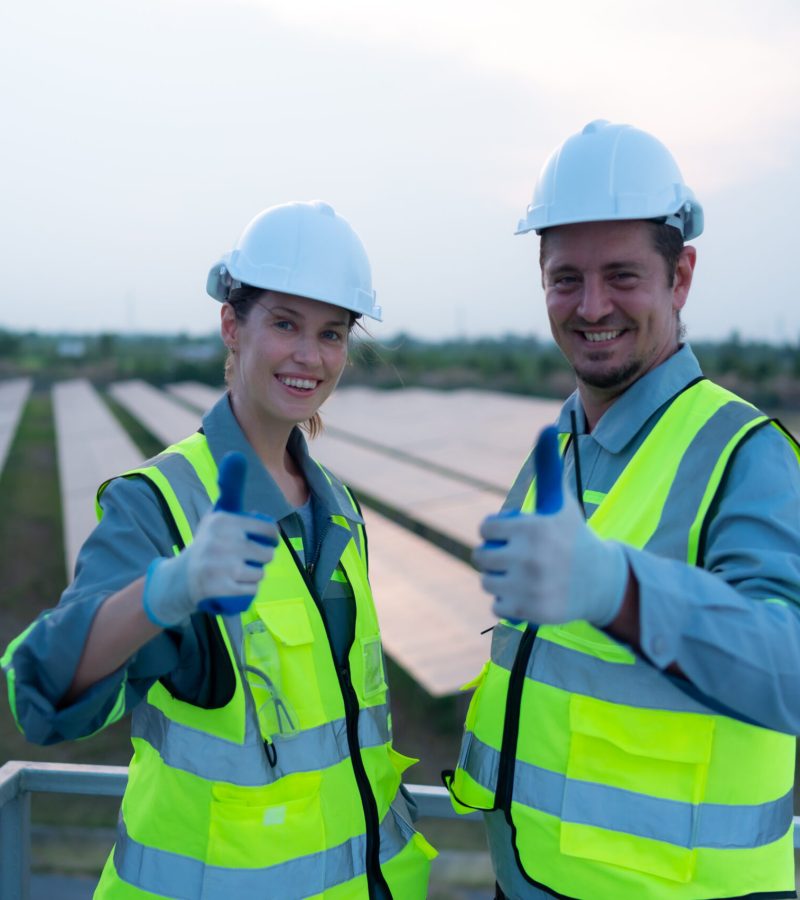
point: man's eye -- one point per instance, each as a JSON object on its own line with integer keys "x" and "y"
{"x": 565, "y": 281}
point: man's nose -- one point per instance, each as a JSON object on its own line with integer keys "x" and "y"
{"x": 595, "y": 301}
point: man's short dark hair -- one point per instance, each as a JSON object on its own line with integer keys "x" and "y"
{"x": 668, "y": 242}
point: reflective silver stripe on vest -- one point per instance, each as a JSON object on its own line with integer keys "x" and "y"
{"x": 173, "y": 875}
{"x": 637, "y": 684}
{"x": 216, "y": 759}
{"x": 692, "y": 477}
{"x": 712, "y": 825}
{"x": 188, "y": 488}
{"x": 689, "y": 484}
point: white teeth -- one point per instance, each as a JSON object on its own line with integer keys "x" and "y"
{"x": 305, "y": 383}
{"x": 601, "y": 335}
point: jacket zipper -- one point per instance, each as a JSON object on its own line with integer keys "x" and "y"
{"x": 317, "y": 551}
{"x": 351, "y": 712}
{"x": 508, "y": 746}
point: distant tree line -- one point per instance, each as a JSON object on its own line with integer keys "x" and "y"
{"x": 107, "y": 357}
{"x": 766, "y": 374}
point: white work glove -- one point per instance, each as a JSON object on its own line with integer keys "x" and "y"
{"x": 550, "y": 567}
{"x": 219, "y": 572}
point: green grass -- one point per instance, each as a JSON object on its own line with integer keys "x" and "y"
{"x": 31, "y": 540}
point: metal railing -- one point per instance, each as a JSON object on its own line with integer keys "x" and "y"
{"x": 18, "y": 780}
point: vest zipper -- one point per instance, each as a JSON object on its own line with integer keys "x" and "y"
{"x": 508, "y": 747}
{"x": 351, "y": 712}
{"x": 370, "y": 807}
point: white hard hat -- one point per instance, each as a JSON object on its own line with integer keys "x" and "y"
{"x": 608, "y": 172}
{"x": 299, "y": 248}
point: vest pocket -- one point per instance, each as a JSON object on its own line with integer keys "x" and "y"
{"x": 279, "y": 665}
{"x": 372, "y": 662}
{"x": 474, "y": 782}
{"x": 258, "y": 827}
{"x": 385, "y": 767}
{"x": 634, "y": 780}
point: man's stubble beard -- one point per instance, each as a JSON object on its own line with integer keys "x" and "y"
{"x": 620, "y": 377}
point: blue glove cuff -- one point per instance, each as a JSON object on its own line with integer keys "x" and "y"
{"x": 615, "y": 582}
{"x": 146, "y": 593}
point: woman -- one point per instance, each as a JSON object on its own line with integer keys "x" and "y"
{"x": 263, "y": 763}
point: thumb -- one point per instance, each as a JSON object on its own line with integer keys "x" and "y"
{"x": 547, "y": 466}
{"x": 232, "y": 471}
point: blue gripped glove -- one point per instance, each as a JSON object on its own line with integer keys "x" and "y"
{"x": 550, "y": 567}
{"x": 220, "y": 570}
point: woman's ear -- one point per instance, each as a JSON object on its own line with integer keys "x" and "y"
{"x": 229, "y": 327}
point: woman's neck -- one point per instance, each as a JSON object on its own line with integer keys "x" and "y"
{"x": 271, "y": 446}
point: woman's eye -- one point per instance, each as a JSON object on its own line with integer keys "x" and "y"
{"x": 283, "y": 324}
{"x": 332, "y": 335}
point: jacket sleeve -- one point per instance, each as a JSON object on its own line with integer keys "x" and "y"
{"x": 733, "y": 626}
{"x": 40, "y": 663}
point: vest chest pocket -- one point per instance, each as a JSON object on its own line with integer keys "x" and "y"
{"x": 634, "y": 781}
{"x": 258, "y": 827}
{"x": 280, "y": 667}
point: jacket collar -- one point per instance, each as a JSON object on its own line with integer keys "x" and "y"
{"x": 261, "y": 493}
{"x": 623, "y": 420}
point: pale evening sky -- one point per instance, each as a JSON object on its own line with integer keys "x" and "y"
{"x": 138, "y": 139}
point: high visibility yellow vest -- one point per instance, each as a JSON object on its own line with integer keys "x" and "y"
{"x": 290, "y": 789}
{"x": 618, "y": 781}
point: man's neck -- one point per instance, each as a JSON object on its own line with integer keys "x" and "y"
{"x": 596, "y": 401}
{"x": 595, "y": 405}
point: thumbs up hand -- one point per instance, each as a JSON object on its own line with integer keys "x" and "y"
{"x": 220, "y": 570}
{"x": 550, "y": 567}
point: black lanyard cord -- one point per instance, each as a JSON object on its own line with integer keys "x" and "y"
{"x": 577, "y": 456}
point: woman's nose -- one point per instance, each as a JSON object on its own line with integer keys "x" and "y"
{"x": 307, "y": 350}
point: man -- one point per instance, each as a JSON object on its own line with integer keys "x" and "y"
{"x": 633, "y": 734}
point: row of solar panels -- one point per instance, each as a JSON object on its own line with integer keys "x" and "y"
{"x": 13, "y": 396}
{"x": 435, "y": 462}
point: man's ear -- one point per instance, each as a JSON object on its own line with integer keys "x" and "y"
{"x": 684, "y": 272}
